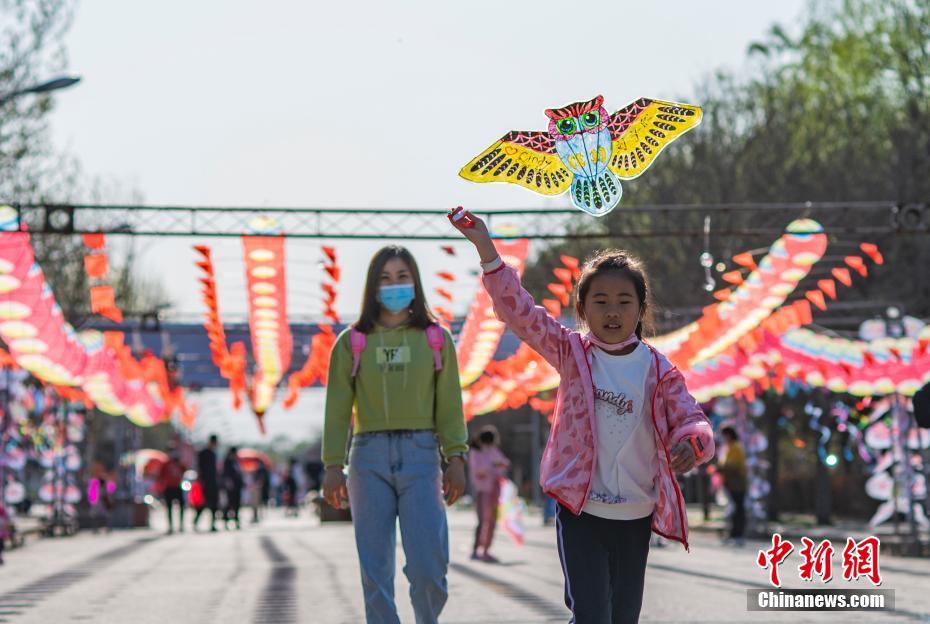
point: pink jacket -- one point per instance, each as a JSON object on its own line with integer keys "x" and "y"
{"x": 568, "y": 459}
{"x": 486, "y": 466}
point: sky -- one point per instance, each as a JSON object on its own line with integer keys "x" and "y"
{"x": 361, "y": 104}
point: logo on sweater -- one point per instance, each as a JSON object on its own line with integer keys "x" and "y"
{"x": 623, "y": 404}
{"x": 610, "y": 499}
{"x": 393, "y": 355}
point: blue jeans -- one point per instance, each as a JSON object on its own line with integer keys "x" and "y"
{"x": 396, "y": 474}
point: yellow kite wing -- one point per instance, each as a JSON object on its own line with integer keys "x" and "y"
{"x": 642, "y": 129}
{"x": 525, "y": 158}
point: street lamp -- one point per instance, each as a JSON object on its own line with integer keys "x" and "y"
{"x": 61, "y": 82}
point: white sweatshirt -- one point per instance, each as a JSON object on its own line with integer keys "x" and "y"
{"x": 623, "y": 486}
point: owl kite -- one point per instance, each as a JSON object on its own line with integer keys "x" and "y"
{"x": 585, "y": 150}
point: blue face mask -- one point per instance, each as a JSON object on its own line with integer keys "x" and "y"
{"x": 396, "y": 297}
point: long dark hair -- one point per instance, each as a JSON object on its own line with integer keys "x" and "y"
{"x": 626, "y": 264}
{"x": 421, "y": 316}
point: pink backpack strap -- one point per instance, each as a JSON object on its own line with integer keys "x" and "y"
{"x": 436, "y": 339}
{"x": 357, "y": 341}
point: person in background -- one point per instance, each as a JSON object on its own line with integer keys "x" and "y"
{"x": 259, "y": 497}
{"x": 548, "y": 511}
{"x": 168, "y": 484}
{"x": 233, "y": 484}
{"x": 486, "y": 465}
{"x": 290, "y": 489}
{"x": 6, "y": 526}
{"x": 922, "y": 406}
{"x": 733, "y": 470}
{"x": 267, "y": 486}
{"x": 206, "y": 475}
{"x": 253, "y": 490}
{"x": 99, "y": 496}
{"x": 277, "y": 486}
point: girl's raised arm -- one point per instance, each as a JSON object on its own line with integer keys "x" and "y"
{"x": 513, "y": 305}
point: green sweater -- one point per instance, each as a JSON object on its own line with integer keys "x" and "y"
{"x": 397, "y": 387}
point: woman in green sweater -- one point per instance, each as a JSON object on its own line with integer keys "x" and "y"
{"x": 397, "y": 368}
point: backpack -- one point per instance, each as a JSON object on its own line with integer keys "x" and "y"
{"x": 434, "y": 336}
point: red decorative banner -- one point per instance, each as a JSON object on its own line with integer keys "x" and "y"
{"x": 42, "y": 342}
{"x": 766, "y": 288}
{"x": 232, "y": 361}
{"x": 316, "y": 368}
{"x": 512, "y": 382}
{"x": 321, "y": 345}
{"x": 482, "y": 331}
{"x": 876, "y": 367}
{"x": 97, "y": 266}
{"x": 268, "y": 324}
{"x": 334, "y": 272}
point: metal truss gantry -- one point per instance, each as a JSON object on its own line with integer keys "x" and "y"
{"x": 866, "y": 218}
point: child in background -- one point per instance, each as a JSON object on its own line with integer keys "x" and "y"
{"x": 624, "y": 422}
{"x": 290, "y": 490}
{"x": 486, "y": 466}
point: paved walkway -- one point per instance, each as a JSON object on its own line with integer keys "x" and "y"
{"x": 295, "y": 570}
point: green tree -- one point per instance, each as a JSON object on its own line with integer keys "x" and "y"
{"x": 838, "y": 112}
{"x": 31, "y": 51}
{"x": 32, "y": 172}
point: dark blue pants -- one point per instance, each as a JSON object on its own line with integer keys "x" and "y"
{"x": 604, "y": 563}
{"x": 738, "y": 521}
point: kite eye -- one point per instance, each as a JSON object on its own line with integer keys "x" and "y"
{"x": 591, "y": 119}
{"x": 566, "y": 126}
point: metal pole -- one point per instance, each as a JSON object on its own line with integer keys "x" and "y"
{"x": 58, "y": 511}
{"x": 118, "y": 494}
{"x": 4, "y": 425}
{"x": 908, "y": 469}
{"x": 897, "y": 453}
{"x": 367, "y": 223}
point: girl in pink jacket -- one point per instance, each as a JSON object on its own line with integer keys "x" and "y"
{"x": 624, "y": 422}
{"x": 487, "y": 465}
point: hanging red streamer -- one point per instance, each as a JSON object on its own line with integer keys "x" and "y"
{"x": 745, "y": 260}
{"x": 843, "y": 276}
{"x": 316, "y": 366}
{"x": 96, "y": 266}
{"x": 871, "y": 250}
{"x": 232, "y": 362}
{"x": 95, "y": 240}
{"x": 858, "y": 264}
